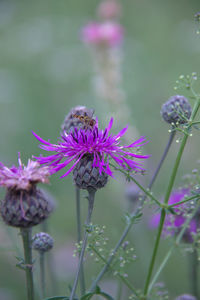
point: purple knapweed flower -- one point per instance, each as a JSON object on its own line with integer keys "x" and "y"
{"x": 174, "y": 222}
{"x": 23, "y": 177}
{"x": 107, "y": 33}
{"x": 94, "y": 142}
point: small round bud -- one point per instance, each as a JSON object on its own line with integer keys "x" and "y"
{"x": 73, "y": 121}
{"x": 86, "y": 176}
{"x": 186, "y": 297}
{"x": 22, "y": 208}
{"x": 176, "y": 110}
{"x": 42, "y": 242}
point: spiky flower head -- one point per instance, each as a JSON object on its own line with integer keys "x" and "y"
{"x": 174, "y": 222}
{"x": 24, "y": 204}
{"x": 42, "y": 242}
{"x": 23, "y": 177}
{"x": 186, "y": 297}
{"x": 107, "y": 34}
{"x": 72, "y": 121}
{"x": 177, "y": 110}
{"x": 93, "y": 142}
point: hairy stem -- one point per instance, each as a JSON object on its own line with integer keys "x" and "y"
{"x": 91, "y": 195}
{"x": 26, "y": 238}
{"x": 79, "y": 237}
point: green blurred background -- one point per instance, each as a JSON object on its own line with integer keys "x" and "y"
{"x": 45, "y": 70}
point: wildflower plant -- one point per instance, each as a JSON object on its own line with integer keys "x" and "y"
{"x": 93, "y": 155}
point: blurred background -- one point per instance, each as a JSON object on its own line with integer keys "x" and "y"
{"x": 45, "y": 70}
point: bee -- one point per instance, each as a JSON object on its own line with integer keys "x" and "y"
{"x": 86, "y": 120}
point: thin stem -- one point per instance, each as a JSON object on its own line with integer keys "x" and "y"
{"x": 162, "y": 219}
{"x": 119, "y": 290}
{"x": 79, "y": 238}
{"x": 42, "y": 273}
{"x": 135, "y": 213}
{"x": 166, "y": 199}
{"x": 91, "y": 195}
{"x": 171, "y": 138}
{"x": 169, "y": 253}
{"x": 186, "y": 200}
{"x": 26, "y": 238}
{"x": 193, "y": 276}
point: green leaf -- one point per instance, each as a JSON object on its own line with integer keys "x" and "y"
{"x": 97, "y": 292}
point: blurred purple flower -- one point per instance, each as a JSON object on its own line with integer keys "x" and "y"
{"x": 173, "y": 223}
{"x": 23, "y": 177}
{"x": 107, "y": 33}
{"x": 93, "y": 142}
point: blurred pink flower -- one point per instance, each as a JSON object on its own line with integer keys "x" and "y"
{"x": 173, "y": 223}
{"x": 107, "y": 33}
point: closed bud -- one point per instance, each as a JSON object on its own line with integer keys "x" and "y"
{"x": 73, "y": 121}
{"x": 86, "y": 176}
{"x": 42, "y": 242}
{"x": 22, "y": 208}
{"x": 176, "y": 110}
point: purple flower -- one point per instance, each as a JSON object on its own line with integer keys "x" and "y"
{"x": 173, "y": 223}
{"x": 94, "y": 142}
{"x": 107, "y": 33}
{"x": 23, "y": 177}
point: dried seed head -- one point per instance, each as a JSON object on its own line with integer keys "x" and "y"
{"x": 21, "y": 208}
{"x": 42, "y": 242}
{"x": 176, "y": 110}
{"x": 71, "y": 122}
{"x": 186, "y": 297}
{"x": 86, "y": 176}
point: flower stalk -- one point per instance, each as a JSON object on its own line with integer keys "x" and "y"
{"x": 166, "y": 199}
{"x": 26, "y": 238}
{"x": 78, "y": 218}
{"x": 91, "y": 196}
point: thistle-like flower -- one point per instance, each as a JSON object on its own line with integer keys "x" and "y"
{"x": 42, "y": 242}
{"x": 95, "y": 143}
{"x": 24, "y": 205}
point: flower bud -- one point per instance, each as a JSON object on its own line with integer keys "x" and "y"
{"x": 22, "y": 208}
{"x": 42, "y": 242}
{"x": 72, "y": 121}
{"x": 86, "y": 176}
{"x": 176, "y": 110}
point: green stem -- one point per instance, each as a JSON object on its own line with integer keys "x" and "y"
{"x": 26, "y": 238}
{"x": 79, "y": 238}
{"x": 166, "y": 199}
{"x": 186, "y": 200}
{"x": 169, "y": 253}
{"x": 162, "y": 219}
{"x": 91, "y": 195}
{"x": 42, "y": 273}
